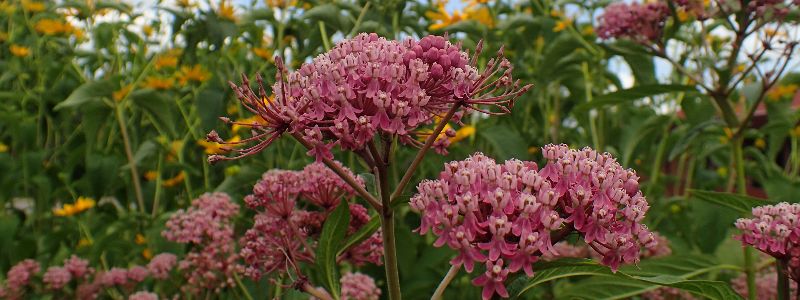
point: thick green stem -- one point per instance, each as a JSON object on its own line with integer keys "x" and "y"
{"x": 387, "y": 225}
{"x": 783, "y": 280}
{"x": 437, "y": 295}
{"x": 741, "y": 184}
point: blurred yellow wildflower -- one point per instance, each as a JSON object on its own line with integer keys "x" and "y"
{"x": 683, "y": 15}
{"x": 555, "y": 13}
{"x": 7, "y": 8}
{"x": 84, "y": 243}
{"x": 226, "y": 11}
{"x": 280, "y": 3}
{"x": 587, "y": 30}
{"x": 139, "y": 239}
{"x": 195, "y": 73}
{"x": 82, "y": 204}
{"x": 32, "y": 6}
{"x": 533, "y": 150}
{"x": 462, "y": 133}
{"x": 780, "y": 91}
{"x": 147, "y": 30}
{"x": 562, "y": 24}
{"x": 263, "y": 53}
{"x": 3, "y": 148}
{"x": 175, "y": 147}
{"x": 760, "y": 143}
{"x": 158, "y": 83}
{"x": 168, "y": 60}
{"x": 120, "y": 94}
{"x": 185, "y": 3}
{"x": 722, "y": 172}
{"x": 150, "y": 175}
{"x": 217, "y": 148}
{"x": 739, "y": 68}
{"x": 147, "y": 253}
{"x": 19, "y": 51}
{"x": 171, "y": 182}
{"x": 251, "y": 120}
{"x": 54, "y": 27}
{"x": 442, "y": 17}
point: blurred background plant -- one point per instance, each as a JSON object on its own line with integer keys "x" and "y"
{"x": 106, "y": 106}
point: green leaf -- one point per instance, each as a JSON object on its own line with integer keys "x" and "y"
{"x": 362, "y": 234}
{"x": 740, "y": 203}
{"x": 333, "y": 232}
{"x": 506, "y": 142}
{"x": 634, "y": 93}
{"x": 157, "y": 107}
{"x": 673, "y": 271}
{"x": 87, "y": 92}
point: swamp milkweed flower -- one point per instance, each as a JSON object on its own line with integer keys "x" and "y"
{"x": 774, "y": 230}
{"x": 368, "y": 85}
{"x": 80, "y": 205}
{"x": 18, "y": 278}
{"x": 284, "y": 230}
{"x": 640, "y": 22}
{"x": 508, "y": 215}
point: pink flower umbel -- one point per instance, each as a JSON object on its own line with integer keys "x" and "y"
{"x": 775, "y": 230}
{"x": 508, "y": 215}
{"x": 143, "y": 296}
{"x": 640, "y": 22}
{"x": 208, "y": 226}
{"x": 293, "y": 207}
{"x": 357, "y": 286}
{"x": 56, "y": 277}
{"x": 369, "y": 85}
{"x": 19, "y": 277}
{"x": 78, "y": 267}
{"x": 161, "y": 264}
{"x": 766, "y": 284}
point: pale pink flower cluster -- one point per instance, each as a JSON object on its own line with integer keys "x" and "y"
{"x": 56, "y": 277}
{"x": 207, "y": 225}
{"x": 293, "y": 207}
{"x": 774, "y": 230}
{"x": 18, "y": 278}
{"x": 161, "y": 264}
{"x": 368, "y": 85}
{"x": 766, "y": 285}
{"x": 357, "y": 286}
{"x": 564, "y": 249}
{"x": 143, "y": 295}
{"x": 508, "y": 215}
{"x": 640, "y": 22}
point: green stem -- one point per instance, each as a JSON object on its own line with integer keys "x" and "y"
{"x": 783, "y": 280}
{"x": 387, "y": 225}
{"x": 137, "y": 186}
{"x": 324, "y": 34}
{"x": 242, "y": 287}
{"x": 587, "y": 81}
{"x": 741, "y": 183}
{"x": 437, "y": 295}
{"x": 656, "y": 169}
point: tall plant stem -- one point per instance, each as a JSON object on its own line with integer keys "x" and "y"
{"x": 437, "y": 295}
{"x": 137, "y": 186}
{"x": 741, "y": 184}
{"x": 387, "y": 225}
{"x": 316, "y": 292}
{"x": 421, "y": 153}
{"x": 783, "y": 280}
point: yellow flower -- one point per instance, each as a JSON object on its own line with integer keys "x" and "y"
{"x": 150, "y": 175}
{"x": 722, "y": 171}
{"x": 84, "y": 243}
{"x": 195, "y": 73}
{"x": 555, "y": 13}
{"x": 147, "y": 30}
{"x": 166, "y": 61}
{"x": 533, "y": 150}
{"x": 760, "y": 143}
{"x": 251, "y": 120}
{"x": 3, "y": 148}
{"x": 7, "y": 8}
{"x": 265, "y": 54}
{"x": 147, "y": 253}
{"x": 19, "y": 51}
{"x": 158, "y": 83}
{"x": 184, "y": 3}
{"x": 442, "y": 18}
{"x": 781, "y": 91}
{"x": 170, "y": 182}
{"x": 226, "y": 11}
{"x": 481, "y": 15}
{"x": 232, "y": 108}
{"x": 53, "y": 27}
{"x": 587, "y": 30}
{"x": 683, "y": 15}
{"x": 462, "y": 133}
{"x": 562, "y": 24}
{"x": 120, "y": 94}
{"x": 174, "y": 148}
{"x": 217, "y": 148}
{"x": 140, "y": 240}
{"x": 280, "y": 3}
{"x": 79, "y": 206}
{"x": 32, "y": 6}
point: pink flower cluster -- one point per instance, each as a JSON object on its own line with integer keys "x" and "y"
{"x": 640, "y": 22}
{"x": 143, "y": 295}
{"x": 766, "y": 285}
{"x": 161, "y": 264}
{"x": 18, "y": 278}
{"x": 357, "y": 286}
{"x": 368, "y": 85}
{"x": 207, "y": 225}
{"x": 774, "y": 230}
{"x": 283, "y": 232}
{"x": 508, "y": 215}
